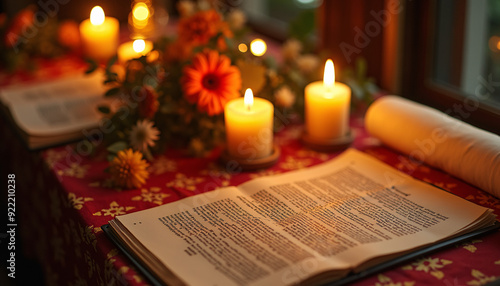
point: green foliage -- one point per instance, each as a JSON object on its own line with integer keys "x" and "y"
{"x": 92, "y": 66}
{"x": 112, "y": 91}
{"x": 363, "y": 87}
{"x": 104, "y": 109}
{"x": 117, "y": 147}
{"x": 303, "y": 26}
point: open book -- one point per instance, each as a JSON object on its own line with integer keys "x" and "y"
{"x": 54, "y": 112}
{"x": 311, "y": 226}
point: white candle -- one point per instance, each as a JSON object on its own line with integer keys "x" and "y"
{"x": 327, "y": 106}
{"x": 100, "y": 35}
{"x": 134, "y": 49}
{"x": 249, "y": 127}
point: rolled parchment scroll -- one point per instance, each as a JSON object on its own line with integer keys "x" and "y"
{"x": 428, "y": 135}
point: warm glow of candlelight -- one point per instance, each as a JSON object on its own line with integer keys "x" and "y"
{"x": 258, "y": 47}
{"x": 248, "y": 99}
{"x": 97, "y": 16}
{"x": 242, "y": 48}
{"x": 139, "y": 45}
{"x": 329, "y": 75}
{"x": 99, "y": 35}
{"x": 140, "y": 11}
{"x": 135, "y": 49}
{"x": 249, "y": 126}
{"x": 327, "y": 101}
{"x": 494, "y": 44}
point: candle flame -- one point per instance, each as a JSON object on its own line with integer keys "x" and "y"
{"x": 139, "y": 45}
{"x": 140, "y": 11}
{"x": 248, "y": 99}
{"x": 97, "y": 16}
{"x": 329, "y": 75}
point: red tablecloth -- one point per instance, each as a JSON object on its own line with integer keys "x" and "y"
{"x": 63, "y": 199}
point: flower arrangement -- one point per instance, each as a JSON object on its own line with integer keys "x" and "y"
{"x": 25, "y": 35}
{"x": 175, "y": 95}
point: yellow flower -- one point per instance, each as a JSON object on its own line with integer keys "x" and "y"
{"x": 284, "y": 97}
{"x": 291, "y": 49}
{"x": 128, "y": 169}
{"x": 236, "y": 19}
{"x": 186, "y": 8}
{"x": 308, "y": 64}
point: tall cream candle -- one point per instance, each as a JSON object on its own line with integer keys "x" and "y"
{"x": 100, "y": 35}
{"x": 327, "y": 106}
{"x": 249, "y": 127}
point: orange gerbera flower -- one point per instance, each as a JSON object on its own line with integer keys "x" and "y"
{"x": 201, "y": 27}
{"x": 128, "y": 169}
{"x": 148, "y": 105}
{"x": 21, "y": 22}
{"x": 68, "y": 35}
{"x": 211, "y": 81}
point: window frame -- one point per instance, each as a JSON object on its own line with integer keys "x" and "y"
{"x": 417, "y": 83}
{"x": 400, "y": 57}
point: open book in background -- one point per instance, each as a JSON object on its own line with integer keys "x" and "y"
{"x": 313, "y": 226}
{"x": 55, "y": 112}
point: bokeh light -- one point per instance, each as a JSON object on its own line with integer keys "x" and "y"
{"x": 258, "y": 47}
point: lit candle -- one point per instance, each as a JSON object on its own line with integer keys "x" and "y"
{"x": 99, "y": 35}
{"x": 327, "y": 106}
{"x": 134, "y": 49}
{"x": 249, "y": 127}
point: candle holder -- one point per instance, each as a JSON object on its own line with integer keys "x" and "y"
{"x": 252, "y": 164}
{"x": 331, "y": 145}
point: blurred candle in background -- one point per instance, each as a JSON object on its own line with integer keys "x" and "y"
{"x": 134, "y": 49}
{"x": 99, "y": 35}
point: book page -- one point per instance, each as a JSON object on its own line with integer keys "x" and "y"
{"x": 283, "y": 229}
{"x": 355, "y": 208}
{"x": 218, "y": 240}
{"x": 50, "y": 108}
